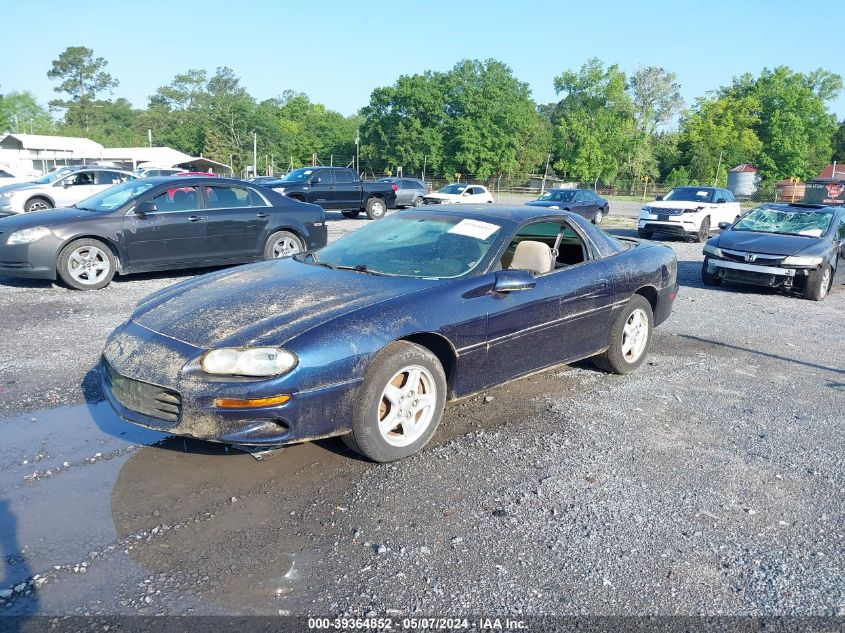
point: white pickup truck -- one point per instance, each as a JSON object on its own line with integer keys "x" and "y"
{"x": 689, "y": 212}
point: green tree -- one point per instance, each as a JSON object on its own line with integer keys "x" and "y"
{"x": 20, "y": 112}
{"x": 82, "y": 77}
{"x": 404, "y": 124}
{"x": 838, "y": 143}
{"x": 656, "y": 96}
{"x": 595, "y": 126}
{"x": 719, "y": 130}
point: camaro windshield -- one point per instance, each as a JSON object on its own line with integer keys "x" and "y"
{"x": 113, "y": 197}
{"x": 453, "y": 189}
{"x": 423, "y": 246}
{"x": 557, "y": 196}
{"x": 765, "y": 220}
{"x": 299, "y": 175}
{"x": 689, "y": 194}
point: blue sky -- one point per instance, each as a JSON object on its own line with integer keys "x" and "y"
{"x": 337, "y": 52}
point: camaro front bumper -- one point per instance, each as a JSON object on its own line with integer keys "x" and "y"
{"x": 151, "y": 380}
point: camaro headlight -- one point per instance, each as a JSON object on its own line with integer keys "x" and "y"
{"x": 802, "y": 260}
{"x": 28, "y": 236}
{"x": 715, "y": 251}
{"x": 255, "y": 361}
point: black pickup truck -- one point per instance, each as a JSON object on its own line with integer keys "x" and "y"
{"x": 337, "y": 188}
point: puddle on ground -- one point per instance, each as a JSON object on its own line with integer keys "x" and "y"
{"x": 192, "y": 518}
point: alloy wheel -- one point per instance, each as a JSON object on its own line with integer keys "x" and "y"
{"x": 407, "y": 406}
{"x": 634, "y": 336}
{"x": 88, "y": 265}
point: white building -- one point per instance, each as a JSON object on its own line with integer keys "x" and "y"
{"x": 22, "y": 153}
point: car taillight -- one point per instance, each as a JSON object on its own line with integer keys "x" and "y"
{"x": 394, "y": 187}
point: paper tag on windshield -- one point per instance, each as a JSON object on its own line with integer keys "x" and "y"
{"x": 811, "y": 232}
{"x": 474, "y": 228}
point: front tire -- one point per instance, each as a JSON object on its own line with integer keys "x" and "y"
{"x": 646, "y": 235}
{"x": 703, "y": 231}
{"x": 819, "y": 283}
{"x": 399, "y": 404}
{"x": 351, "y": 214}
{"x": 37, "y": 204}
{"x": 376, "y": 208}
{"x": 282, "y": 244}
{"x": 86, "y": 265}
{"x": 598, "y": 217}
{"x": 630, "y": 338}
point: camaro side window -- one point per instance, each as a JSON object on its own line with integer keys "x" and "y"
{"x": 571, "y": 249}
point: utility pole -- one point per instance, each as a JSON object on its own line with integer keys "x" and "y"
{"x": 150, "y": 136}
{"x": 358, "y": 151}
{"x": 254, "y": 153}
{"x": 425, "y": 161}
{"x": 17, "y": 129}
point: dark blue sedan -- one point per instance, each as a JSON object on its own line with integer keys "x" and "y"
{"x": 370, "y": 336}
{"x": 585, "y": 202}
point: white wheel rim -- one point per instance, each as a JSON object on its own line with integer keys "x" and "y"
{"x": 285, "y": 247}
{"x": 599, "y": 217}
{"x": 407, "y": 406}
{"x": 634, "y": 336}
{"x": 39, "y": 206}
{"x": 88, "y": 265}
{"x": 378, "y": 208}
{"x": 825, "y": 283}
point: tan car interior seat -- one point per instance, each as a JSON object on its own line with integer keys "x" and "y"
{"x": 533, "y": 256}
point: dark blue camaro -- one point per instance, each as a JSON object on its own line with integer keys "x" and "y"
{"x": 370, "y": 336}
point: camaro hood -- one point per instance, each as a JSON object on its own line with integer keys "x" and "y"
{"x": 48, "y": 218}
{"x": 274, "y": 301}
{"x": 768, "y": 243}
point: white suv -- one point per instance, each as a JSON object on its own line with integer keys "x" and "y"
{"x": 690, "y": 212}
{"x": 62, "y": 188}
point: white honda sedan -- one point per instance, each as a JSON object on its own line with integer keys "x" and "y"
{"x": 688, "y": 212}
{"x": 459, "y": 193}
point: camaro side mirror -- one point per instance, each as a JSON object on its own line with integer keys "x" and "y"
{"x": 143, "y": 208}
{"x": 724, "y": 225}
{"x": 512, "y": 280}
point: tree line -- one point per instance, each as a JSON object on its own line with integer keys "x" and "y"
{"x": 476, "y": 119}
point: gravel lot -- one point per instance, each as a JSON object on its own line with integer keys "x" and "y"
{"x": 709, "y": 482}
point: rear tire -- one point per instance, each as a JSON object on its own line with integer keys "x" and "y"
{"x": 375, "y": 209}
{"x": 37, "y": 204}
{"x": 86, "y": 265}
{"x": 706, "y": 278}
{"x": 399, "y": 405}
{"x": 283, "y": 244}
{"x": 598, "y": 217}
{"x": 351, "y": 213}
{"x": 819, "y": 283}
{"x": 630, "y": 338}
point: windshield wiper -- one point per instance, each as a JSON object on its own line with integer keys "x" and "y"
{"x": 301, "y": 257}
{"x": 360, "y": 268}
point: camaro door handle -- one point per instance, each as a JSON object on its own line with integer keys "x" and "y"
{"x": 261, "y": 215}
{"x": 195, "y": 218}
